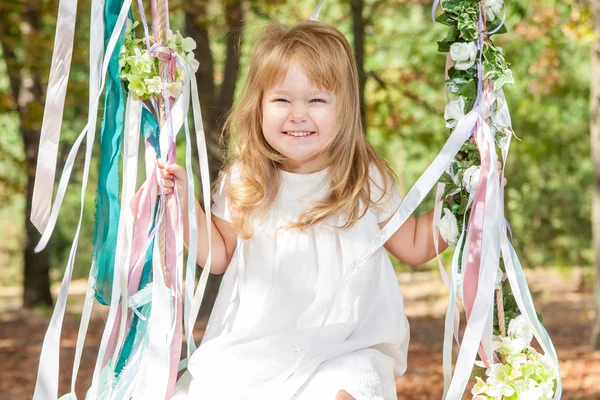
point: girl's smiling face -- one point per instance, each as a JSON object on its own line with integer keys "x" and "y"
{"x": 298, "y": 120}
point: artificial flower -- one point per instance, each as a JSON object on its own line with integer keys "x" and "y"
{"x": 470, "y": 178}
{"x": 449, "y": 227}
{"x": 455, "y": 110}
{"x": 463, "y": 54}
{"x": 493, "y": 8}
{"x": 519, "y": 328}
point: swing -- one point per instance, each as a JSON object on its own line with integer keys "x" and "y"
{"x": 137, "y": 267}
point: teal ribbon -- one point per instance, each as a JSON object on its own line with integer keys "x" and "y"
{"x": 138, "y": 326}
{"x": 150, "y": 130}
{"x": 106, "y": 226}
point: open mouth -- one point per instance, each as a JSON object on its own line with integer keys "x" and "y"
{"x": 299, "y": 134}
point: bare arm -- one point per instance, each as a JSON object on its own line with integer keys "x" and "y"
{"x": 224, "y": 237}
{"x": 413, "y": 242}
{"x": 224, "y": 240}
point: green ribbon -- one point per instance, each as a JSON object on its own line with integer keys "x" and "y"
{"x": 106, "y": 226}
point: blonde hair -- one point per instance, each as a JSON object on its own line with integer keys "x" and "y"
{"x": 327, "y": 59}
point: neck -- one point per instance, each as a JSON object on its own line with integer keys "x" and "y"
{"x": 302, "y": 167}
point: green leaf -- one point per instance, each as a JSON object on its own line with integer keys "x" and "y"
{"x": 443, "y": 46}
{"x": 491, "y": 25}
{"x": 452, "y": 35}
{"x": 446, "y": 19}
{"x": 468, "y": 90}
{"x": 467, "y": 25}
{"x": 469, "y": 104}
{"x": 454, "y": 6}
{"x": 463, "y": 206}
{"x": 456, "y": 84}
{"x": 446, "y": 178}
{"x": 469, "y": 146}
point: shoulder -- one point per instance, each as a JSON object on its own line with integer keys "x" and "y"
{"x": 381, "y": 181}
{"x": 384, "y": 196}
{"x": 221, "y": 206}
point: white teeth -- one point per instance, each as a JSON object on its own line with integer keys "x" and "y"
{"x": 298, "y": 133}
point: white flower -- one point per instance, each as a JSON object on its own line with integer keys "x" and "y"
{"x": 479, "y": 387}
{"x": 493, "y": 8}
{"x": 496, "y": 385}
{"x": 449, "y": 227}
{"x": 455, "y": 110}
{"x": 519, "y": 328}
{"x": 192, "y": 62}
{"x": 173, "y": 88}
{"x": 508, "y": 345}
{"x": 470, "y": 178}
{"x": 464, "y": 54}
{"x": 153, "y": 84}
{"x": 188, "y": 44}
{"x": 173, "y": 39}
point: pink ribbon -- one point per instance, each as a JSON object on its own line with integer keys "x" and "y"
{"x": 475, "y": 227}
{"x": 167, "y": 55}
{"x": 171, "y": 219}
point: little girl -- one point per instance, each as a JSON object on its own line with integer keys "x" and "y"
{"x": 302, "y": 196}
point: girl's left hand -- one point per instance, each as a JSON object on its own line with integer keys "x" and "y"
{"x": 173, "y": 176}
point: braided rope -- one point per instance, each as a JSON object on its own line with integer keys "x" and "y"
{"x": 161, "y": 38}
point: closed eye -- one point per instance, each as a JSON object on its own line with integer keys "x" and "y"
{"x": 280, "y": 100}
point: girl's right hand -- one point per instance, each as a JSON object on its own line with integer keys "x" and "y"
{"x": 174, "y": 177}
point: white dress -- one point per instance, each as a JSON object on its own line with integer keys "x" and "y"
{"x": 263, "y": 339}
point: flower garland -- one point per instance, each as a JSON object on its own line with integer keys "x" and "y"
{"x": 478, "y": 66}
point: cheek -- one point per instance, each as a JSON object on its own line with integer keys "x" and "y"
{"x": 327, "y": 120}
{"x": 272, "y": 117}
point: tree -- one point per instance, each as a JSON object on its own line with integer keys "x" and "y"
{"x": 20, "y": 25}
{"x": 358, "y": 28}
{"x": 595, "y": 147}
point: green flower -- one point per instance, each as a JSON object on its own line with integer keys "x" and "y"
{"x": 154, "y": 84}
{"x": 140, "y": 63}
{"x": 479, "y": 387}
{"x": 138, "y": 87}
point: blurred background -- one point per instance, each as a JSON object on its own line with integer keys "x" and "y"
{"x": 550, "y": 170}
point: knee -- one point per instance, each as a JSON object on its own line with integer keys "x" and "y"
{"x": 343, "y": 395}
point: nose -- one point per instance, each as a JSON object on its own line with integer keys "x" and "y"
{"x": 297, "y": 113}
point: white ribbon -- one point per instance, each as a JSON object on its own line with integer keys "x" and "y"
{"x": 47, "y": 379}
{"x": 205, "y": 178}
{"x": 484, "y": 299}
{"x": 43, "y": 186}
{"x": 96, "y": 53}
{"x": 315, "y": 14}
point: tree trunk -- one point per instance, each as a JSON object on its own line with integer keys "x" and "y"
{"x": 36, "y": 277}
{"x": 24, "y": 72}
{"x": 595, "y": 148}
{"x": 233, "y": 14}
{"x": 358, "y": 28}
